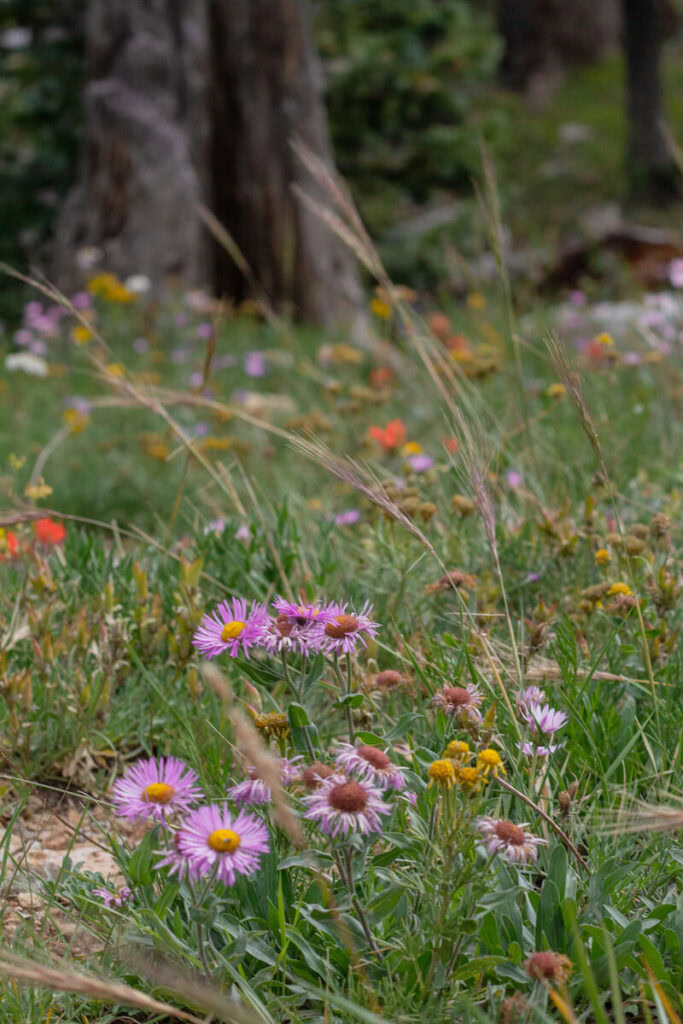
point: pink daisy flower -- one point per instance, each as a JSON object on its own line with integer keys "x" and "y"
{"x": 510, "y": 840}
{"x": 533, "y": 751}
{"x": 255, "y": 791}
{"x": 371, "y": 763}
{"x": 531, "y": 695}
{"x": 460, "y": 700}
{"x": 156, "y": 789}
{"x": 115, "y": 898}
{"x": 232, "y": 628}
{"x": 343, "y": 805}
{"x": 348, "y": 628}
{"x": 173, "y": 859}
{"x": 214, "y": 841}
{"x": 298, "y": 627}
{"x": 544, "y": 718}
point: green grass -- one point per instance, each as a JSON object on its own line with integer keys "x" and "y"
{"x": 97, "y": 657}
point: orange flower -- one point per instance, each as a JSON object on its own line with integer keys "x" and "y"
{"x": 390, "y": 437}
{"x": 440, "y": 326}
{"x": 9, "y": 545}
{"x": 381, "y": 376}
{"x": 458, "y": 343}
{"x": 49, "y": 532}
{"x": 450, "y": 444}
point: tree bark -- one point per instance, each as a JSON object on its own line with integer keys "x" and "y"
{"x": 268, "y": 90}
{"x": 543, "y": 37}
{"x": 197, "y": 101}
{"x": 652, "y": 169}
{"x": 146, "y": 142}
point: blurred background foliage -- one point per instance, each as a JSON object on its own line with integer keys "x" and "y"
{"x": 41, "y": 81}
{"x": 412, "y": 87}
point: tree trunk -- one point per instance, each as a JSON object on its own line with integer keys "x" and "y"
{"x": 268, "y": 90}
{"x": 543, "y": 37}
{"x": 652, "y": 169}
{"x": 198, "y": 100}
{"x": 146, "y": 142}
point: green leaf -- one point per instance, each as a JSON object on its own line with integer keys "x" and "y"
{"x": 353, "y": 700}
{"x": 298, "y": 716}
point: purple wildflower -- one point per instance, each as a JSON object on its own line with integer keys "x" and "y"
{"x": 115, "y": 898}
{"x": 230, "y": 627}
{"x": 343, "y": 805}
{"x": 255, "y": 364}
{"x": 347, "y": 628}
{"x": 214, "y": 841}
{"x": 371, "y": 764}
{"x": 298, "y": 626}
{"x": 420, "y": 463}
{"x": 254, "y": 790}
{"x": 510, "y": 840}
{"x": 348, "y": 518}
{"x": 156, "y": 789}
{"x": 544, "y": 718}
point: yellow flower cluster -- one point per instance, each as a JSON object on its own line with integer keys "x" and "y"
{"x": 453, "y": 769}
{"x": 109, "y": 288}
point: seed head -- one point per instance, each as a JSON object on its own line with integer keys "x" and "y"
{"x": 549, "y": 966}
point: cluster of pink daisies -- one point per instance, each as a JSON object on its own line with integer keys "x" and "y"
{"x": 210, "y": 839}
{"x": 329, "y": 627}
{"x": 204, "y": 840}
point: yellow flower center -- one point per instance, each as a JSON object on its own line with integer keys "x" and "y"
{"x": 158, "y": 793}
{"x": 468, "y": 779}
{"x": 231, "y": 630}
{"x": 619, "y": 588}
{"x": 224, "y": 840}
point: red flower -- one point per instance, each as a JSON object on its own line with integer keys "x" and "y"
{"x": 450, "y": 444}
{"x": 381, "y": 377}
{"x": 440, "y": 326}
{"x": 49, "y": 532}
{"x": 9, "y": 545}
{"x": 458, "y": 343}
{"x": 391, "y": 436}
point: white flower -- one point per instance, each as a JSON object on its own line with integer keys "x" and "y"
{"x": 138, "y": 284}
{"x": 27, "y": 362}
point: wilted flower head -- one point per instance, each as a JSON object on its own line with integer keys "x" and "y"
{"x": 315, "y": 774}
{"x": 232, "y": 628}
{"x": 510, "y": 840}
{"x": 371, "y": 763}
{"x": 214, "y": 841}
{"x": 548, "y": 966}
{"x": 342, "y": 805}
{"x": 156, "y": 789}
{"x": 273, "y": 723}
{"x": 347, "y": 628}
{"x": 462, "y": 701}
{"x": 114, "y": 898}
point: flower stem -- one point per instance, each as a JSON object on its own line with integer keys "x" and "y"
{"x": 357, "y": 905}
